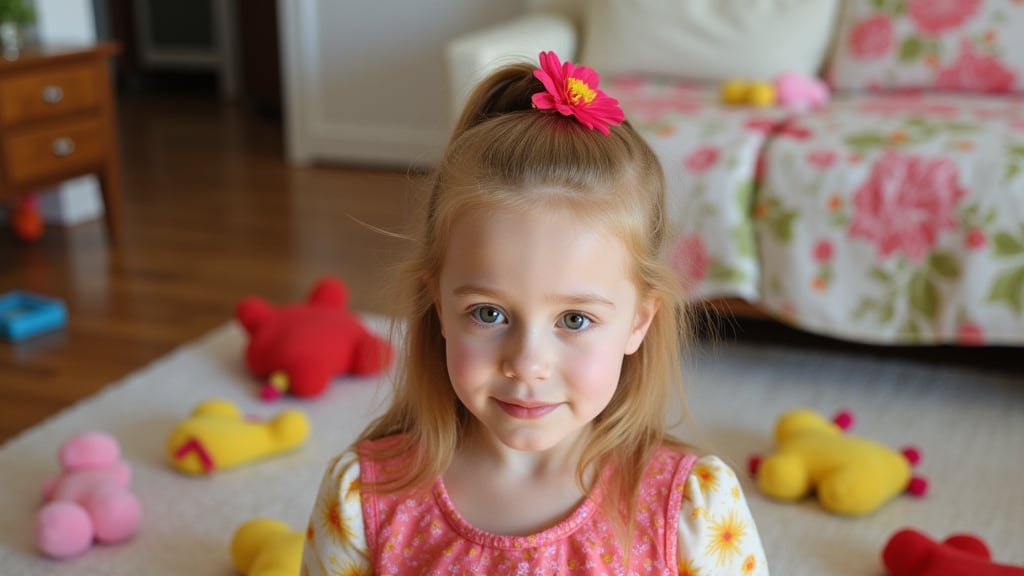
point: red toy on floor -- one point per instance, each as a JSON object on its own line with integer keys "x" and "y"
{"x": 911, "y": 553}
{"x": 298, "y": 348}
{"x": 26, "y": 219}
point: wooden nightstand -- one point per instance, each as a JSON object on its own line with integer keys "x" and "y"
{"x": 57, "y": 121}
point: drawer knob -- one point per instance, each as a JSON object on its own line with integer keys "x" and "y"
{"x": 63, "y": 147}
{"x": 53, "y": 94}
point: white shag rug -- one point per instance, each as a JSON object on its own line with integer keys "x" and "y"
{"x": 968, "y": 423}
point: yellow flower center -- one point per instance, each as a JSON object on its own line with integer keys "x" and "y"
{"x": 578, "y": 90}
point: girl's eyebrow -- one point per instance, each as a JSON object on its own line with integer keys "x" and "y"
{"x": 475, "y": 290}
{"x": 582, "y": 298}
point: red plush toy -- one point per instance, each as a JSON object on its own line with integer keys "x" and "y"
{"x": 911, "y": 553}
{"x": 298, "y": 348}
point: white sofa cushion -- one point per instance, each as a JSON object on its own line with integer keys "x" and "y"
{"x": 710, "y": 40}
{"x": 950, "y": 45}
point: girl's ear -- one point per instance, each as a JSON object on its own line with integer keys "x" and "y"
{"x": 645, "y": 313}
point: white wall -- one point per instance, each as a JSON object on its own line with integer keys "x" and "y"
{"x": 69, "y": 21}
{"x": 365, "y": 81}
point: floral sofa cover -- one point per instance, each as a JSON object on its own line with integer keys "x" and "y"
{"x": 884, "y": 219}
{"x": 893, "y": 215}
{"x": 897, "y": 219}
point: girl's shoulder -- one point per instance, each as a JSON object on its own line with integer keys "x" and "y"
{"x": 383, "y": 447}
{"x": 378, "y": 454}
{"x": 674, "y": 454}
{"x": 385, "y": 459}
{"x": 690, "y": 467}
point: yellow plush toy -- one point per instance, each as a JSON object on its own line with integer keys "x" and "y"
{"x": 851, "y": 475}
{"x": 748, "y": 92}
{"x": 217, "y": 436}
{"x": 267, "y": 547}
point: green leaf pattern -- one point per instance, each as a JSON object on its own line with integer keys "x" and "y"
{"x": 1008, "y": 287}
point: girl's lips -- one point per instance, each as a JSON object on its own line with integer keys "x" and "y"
{"x": 530, "y": 412}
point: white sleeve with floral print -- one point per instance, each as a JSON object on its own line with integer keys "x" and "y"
{"x": 717, "y": 534}
{"x": 335, "y": 536}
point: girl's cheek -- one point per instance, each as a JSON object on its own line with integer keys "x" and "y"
{"x": 599, "y": 368}
{"x": 603, "y": 373}
{"x": 467, "y": 356}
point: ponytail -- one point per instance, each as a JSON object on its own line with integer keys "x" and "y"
{"x": 507, "y": 90}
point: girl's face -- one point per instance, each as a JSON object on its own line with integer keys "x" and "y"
{"x": 538, "y": 310}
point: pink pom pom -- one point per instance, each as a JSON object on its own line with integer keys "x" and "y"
{"x": 89, "y": 450}
{"x": 269, "y": 394}
{"x": 912, "y": 454}
{"x": 918, "y": 486}
{"x": 753, "y": 464}
{"x": 63, "y": 529}
{"x": 116, "y": 515}
{"x": 844, "y": 419}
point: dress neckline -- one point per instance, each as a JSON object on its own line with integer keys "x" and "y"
{"x": 563, "y": 528}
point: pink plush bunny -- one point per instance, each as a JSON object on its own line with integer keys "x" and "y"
{"x": 90, "y": 500}
{"x": 800, "y": 93}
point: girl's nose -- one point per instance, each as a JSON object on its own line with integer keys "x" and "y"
{"x": 527, "y": 357}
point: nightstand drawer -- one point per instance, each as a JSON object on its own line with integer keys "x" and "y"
{"x": 39, "y": 153}
{"x": 33, "y": 95}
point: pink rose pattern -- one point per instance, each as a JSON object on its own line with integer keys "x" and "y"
{"x": 822, "y": 159}
{"x": 975, "y": 72}
{"x": 905, "y": 203}
{"x": 937, "y": 16}
{"x": 956, "y": 45}
{"x": 634, "y": 95}
{"x": 823, "y": 251}
{"x": 701, "y": 159}
{"x": 871, "y": 38}
{"x": 976, "y": 239}
{"x": 970, "y": 334}
{"x": 691, "y": 261}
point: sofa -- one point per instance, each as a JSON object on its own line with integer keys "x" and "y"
{"x": 893, "y": 214}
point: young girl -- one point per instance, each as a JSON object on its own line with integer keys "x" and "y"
{"x": 527, "y": 432}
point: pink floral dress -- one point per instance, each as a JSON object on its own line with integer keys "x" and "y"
{"x": 691, "y": 519}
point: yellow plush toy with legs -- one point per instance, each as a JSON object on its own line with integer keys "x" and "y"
{"x": 851, "y": 475}
{"x": 217, "y": 436}
{"x": 267, "y": 547}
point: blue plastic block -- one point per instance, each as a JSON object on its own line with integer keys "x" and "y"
{"x": 23, "y": 315}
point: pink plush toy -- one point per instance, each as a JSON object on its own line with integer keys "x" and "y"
{"x": 89, "y": 500}
{"x": 800, "y": 93}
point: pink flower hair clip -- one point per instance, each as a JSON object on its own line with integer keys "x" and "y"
{"x": 572, "y": 90}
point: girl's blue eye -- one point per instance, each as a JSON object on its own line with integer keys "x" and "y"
{"x": 487, "y": 315}
{"x": 575, "y": 321}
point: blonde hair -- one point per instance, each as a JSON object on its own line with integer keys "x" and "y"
{"x": 503, "y": 154}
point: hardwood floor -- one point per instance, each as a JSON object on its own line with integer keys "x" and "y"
{"x": 211, "y": 213}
